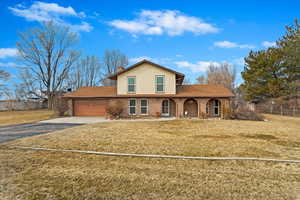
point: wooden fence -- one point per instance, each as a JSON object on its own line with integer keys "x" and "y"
{"x": 280, "y": 109}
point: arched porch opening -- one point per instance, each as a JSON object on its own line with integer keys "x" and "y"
{"x": 168, "y": 108}
{"x": 213, "y": 108}
{"x": 190, "y": 108}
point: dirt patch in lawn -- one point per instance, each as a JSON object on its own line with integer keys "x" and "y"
{"x": 288, "y": 143}
{"x": 213, "y": 136}
{"x": 260, "y": 136}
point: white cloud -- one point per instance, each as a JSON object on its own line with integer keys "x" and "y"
{"x": 138, "y": 59}
{"x": 179, "y": 55}
{"x": 228, "y": 44}
{"x": 170, "y": 22}
{"x": 8, "y": 52}
{"x": 155, "y": 60}
{"x": 268, "y": 44}
{"x": 10, "y": 64}
{"x": 43, "y": 12}
{"x": 84, "y": 26}
{"x": 200, "y": 66}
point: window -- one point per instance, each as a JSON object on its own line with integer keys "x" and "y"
{"x": 216, "y": 107}
{"x": 165, "y": 108}
{"x": 132, "y": 106}
{"x": 144, "y": 106}
{"x": 160, "y": 83}
{"x": 207, "y": 108}
{"x": 131, "y": 84}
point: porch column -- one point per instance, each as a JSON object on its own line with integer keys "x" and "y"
{"x": 225, "y": 106}
{"x": 179, "y": 107}
{"x": 199, "y": 107}
{"x": 202, "y": 107}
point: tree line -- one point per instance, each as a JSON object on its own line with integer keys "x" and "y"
{"x": 51, "y": 64}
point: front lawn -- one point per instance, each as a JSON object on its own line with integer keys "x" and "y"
{"x": 21, "y": 117}
{"x": 46, "y": 175}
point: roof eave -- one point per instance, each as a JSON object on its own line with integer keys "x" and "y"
{"x": 114, "y": 76}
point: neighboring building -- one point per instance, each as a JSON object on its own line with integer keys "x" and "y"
{"x": 149, "y": 89}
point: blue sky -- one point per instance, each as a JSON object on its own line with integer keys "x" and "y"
{"x": 184, "y": 35}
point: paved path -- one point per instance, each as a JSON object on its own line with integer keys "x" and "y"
{"x": 9, "y": 133}
{"x": 159, "y": 156}
{"x": 90, "y": 120}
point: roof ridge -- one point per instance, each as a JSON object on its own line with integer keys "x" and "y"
{"x": 141, "y": 62}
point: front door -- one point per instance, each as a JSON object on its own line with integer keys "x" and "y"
{"x": 165, "y": 108}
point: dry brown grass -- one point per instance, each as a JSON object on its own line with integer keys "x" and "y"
{"x": 45, "y": 175}
{"x": 21, "y": 117}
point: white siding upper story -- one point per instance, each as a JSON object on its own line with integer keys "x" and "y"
{"x": 145, "y": 80}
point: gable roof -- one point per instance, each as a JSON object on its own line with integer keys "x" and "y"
{"x": 198, "y": 90}
{"x": 178, "y": 74}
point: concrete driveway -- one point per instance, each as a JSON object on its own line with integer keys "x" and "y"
{"x": 9, "y": 133}
{"x": 13, "y": 132}
{"x": 76, "y": 120}
{"x": 90, "y": 120}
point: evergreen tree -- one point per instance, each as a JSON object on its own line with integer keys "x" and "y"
{"x": 290, "y": 46}
{"x": 264, "y": 75}
{"x": 274, "y": 72}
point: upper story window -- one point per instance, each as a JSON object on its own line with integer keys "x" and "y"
{"x": 131, "y": 84}
{"x": 160, "y": 83}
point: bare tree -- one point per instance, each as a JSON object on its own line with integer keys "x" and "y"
{"x": 29, "y": 87}
{"x": 201, "y": 79}
{"x": 87, "y": 72}
{"x": 112, "y": 60}
{"x": 48, "y": 53}
{"x": 4, "y": 76}
{"x": 223, "y": 74}
{"x": 186, "y": 81}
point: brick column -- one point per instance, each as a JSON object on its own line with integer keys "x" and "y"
{"x": 225, "y": 105}
{"x": 70, "y": 107}
{"x": 179, "y": 107}
{"x": 202, "y": 106}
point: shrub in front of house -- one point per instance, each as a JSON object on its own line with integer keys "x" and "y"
{"x": 60, "y": 106}
{"x": 114, "y": 109}
{"x": 203, "y": 115}
{"x": 246, "y": 114}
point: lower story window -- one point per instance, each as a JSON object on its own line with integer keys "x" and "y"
{"x": 165, "y": 107}
{"x": 144, "y": 106}
{"x": 132, "y": 107}
{"x": 207, "y": 108}
{"x": 216, "y": 107}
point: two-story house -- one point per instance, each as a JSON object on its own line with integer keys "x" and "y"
{"x": 149, "y": 89}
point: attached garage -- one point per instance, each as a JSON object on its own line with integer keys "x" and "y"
{"x": 89, "y": 107}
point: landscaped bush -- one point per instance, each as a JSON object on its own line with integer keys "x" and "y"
{"x": 227, "y": 112}
{"x": 157, "y": 114}
{"x": 114, "y": 109}
{"x": 203, "y": 115}
{"x": 60, "y": 106}
{"x": 246, "y": 114}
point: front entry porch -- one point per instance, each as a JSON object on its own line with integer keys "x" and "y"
{"x": 199, "y": 107}
{"x": 168, "y": 108}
